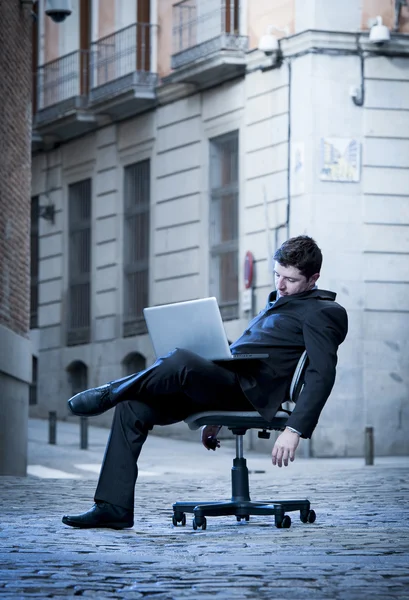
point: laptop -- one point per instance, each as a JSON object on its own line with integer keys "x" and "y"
{"x": 195, "y": 325}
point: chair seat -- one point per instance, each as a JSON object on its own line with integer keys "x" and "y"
{"x": 245, "y": 419}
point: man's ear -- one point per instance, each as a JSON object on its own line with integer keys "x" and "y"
{"x": 314, "y": 278}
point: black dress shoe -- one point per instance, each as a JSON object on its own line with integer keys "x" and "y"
{"x": 92, "y": 402}
{"x": 102, "y": 514}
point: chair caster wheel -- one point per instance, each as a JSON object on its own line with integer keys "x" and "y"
{"x": 308, "y": 516}
{"x": 179, "y": 518}
{"x": 243, "y": 518}
{"x": 284, "y": 523}
{"x": 312, "y": 516}
{"x": 199, "y": 522}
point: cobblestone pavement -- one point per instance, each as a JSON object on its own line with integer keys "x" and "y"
{"x": 357, "y": 548}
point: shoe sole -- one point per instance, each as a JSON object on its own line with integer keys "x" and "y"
{"x": 101, "y": 525}
{"x": 82, "y": 414}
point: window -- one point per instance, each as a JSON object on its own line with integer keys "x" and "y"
{"x": 136, "y": 246}
{"x": 32, "y": 398}
{"x": 34, "y": 257}
{"x": 77, "y": 377}
{"x": 224, "y": 226}
{"x": 133, "y": 363}
{"x": 79, "y": 284}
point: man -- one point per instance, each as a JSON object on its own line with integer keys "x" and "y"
{"x": 297, "y": 316}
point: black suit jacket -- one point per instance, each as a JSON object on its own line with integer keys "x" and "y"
{"x": 310, "y": 321}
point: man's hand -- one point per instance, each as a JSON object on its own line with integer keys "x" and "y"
{"x": 285, "y": 447}
{"x": 209, "y": 436}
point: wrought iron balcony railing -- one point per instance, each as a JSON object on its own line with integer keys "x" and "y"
{"x": 202, "y": 27}
{"x": 122, "y": 59}
{"x": 62, "y": 85}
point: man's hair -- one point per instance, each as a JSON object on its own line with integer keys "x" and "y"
{"x": 301, "y": 252}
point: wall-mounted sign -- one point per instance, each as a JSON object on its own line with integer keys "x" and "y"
{"x": 340, "y": 160}
{"x": 248, "y": 270}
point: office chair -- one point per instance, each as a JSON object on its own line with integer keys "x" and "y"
{"x": 240, "y": 504}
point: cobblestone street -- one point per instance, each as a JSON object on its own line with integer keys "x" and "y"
{"x": 357, "y": 548}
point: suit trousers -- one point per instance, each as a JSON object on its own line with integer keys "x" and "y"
{"x": 174, "y": 387}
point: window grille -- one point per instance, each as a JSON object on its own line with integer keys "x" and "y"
{"x": 34, "y": 258}
{"x": 79, "y": 284}
{"x": 32, "y": 398}
{"x": 136, "y": 246}
{"x": 224, "y": 223}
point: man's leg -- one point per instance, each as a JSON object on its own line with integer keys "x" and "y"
{"x": 181, "y": 385}
{"x": 180, "y": 372}
{"x": 130, "y": 427}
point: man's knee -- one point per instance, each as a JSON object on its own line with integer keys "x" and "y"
{"x": 182, "y": 357}
{"x": 135, "y": 414}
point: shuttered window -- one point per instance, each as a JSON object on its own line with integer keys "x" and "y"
{"x": 79, "y": 278}
{"x": 224, "y": 223}
{"x": 136, "y": 246}
{"x": 33, "y": 397}
{"x": 34, "y": 258}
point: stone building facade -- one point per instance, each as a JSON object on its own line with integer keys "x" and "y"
{"x": 163, "y": 174}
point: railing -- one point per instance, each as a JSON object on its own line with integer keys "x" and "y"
{"x": 63, "y": 79}
{"x": 208, "y": 24}
{"x": 121, "y": 53}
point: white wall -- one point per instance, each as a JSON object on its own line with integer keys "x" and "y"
{"x": 328, "y": 15}
{"x": 386, "y": 251}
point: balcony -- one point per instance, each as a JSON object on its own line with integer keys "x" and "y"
{"x": 121, "y": 81}
{"x": 62, "y": 97}
{"x": 207, "y": 45}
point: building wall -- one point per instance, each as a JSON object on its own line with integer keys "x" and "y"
{"x": 176, "y": 139}
{"x": 385, "y": 239}
{"x": 281, "y": 116}
{"x": 15, "y": 175}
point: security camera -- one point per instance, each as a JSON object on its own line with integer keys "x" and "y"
{"x": 379, "y": 33}
{"x": 268, "y": 44}
{"x": 58, "y": 10}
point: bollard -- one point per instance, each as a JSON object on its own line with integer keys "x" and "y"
{"x": 369, "y": 446}
{"x": 52, "y": 427}
{"x": 84, "y": 433}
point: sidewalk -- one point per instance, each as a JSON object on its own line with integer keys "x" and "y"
{"x": 358, "y": 547}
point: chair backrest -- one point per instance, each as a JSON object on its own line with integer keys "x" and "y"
{"x": 297, "y": 382}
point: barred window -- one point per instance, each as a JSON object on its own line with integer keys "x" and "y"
{"x": 79, "y": 278}
{"x": 34, "y": 258}
{"x": 77, "y": 377}
{"x": 136, "y": 246}
{"x": 224, "y": 223}
{"x": 32, "y": 398}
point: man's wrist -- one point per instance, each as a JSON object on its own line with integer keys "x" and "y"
{"x": 293, "y": 430}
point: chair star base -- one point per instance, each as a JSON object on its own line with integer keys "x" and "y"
{"x": 240, "y": 504}
{"x": 242, "y": 510}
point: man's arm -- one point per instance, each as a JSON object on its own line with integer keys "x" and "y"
{"x": 323, "y": 332}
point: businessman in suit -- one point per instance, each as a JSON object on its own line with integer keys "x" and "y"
{"x": 298, "y": 316}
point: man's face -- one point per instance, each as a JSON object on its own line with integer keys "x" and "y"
{"x": 289, "y": 280}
